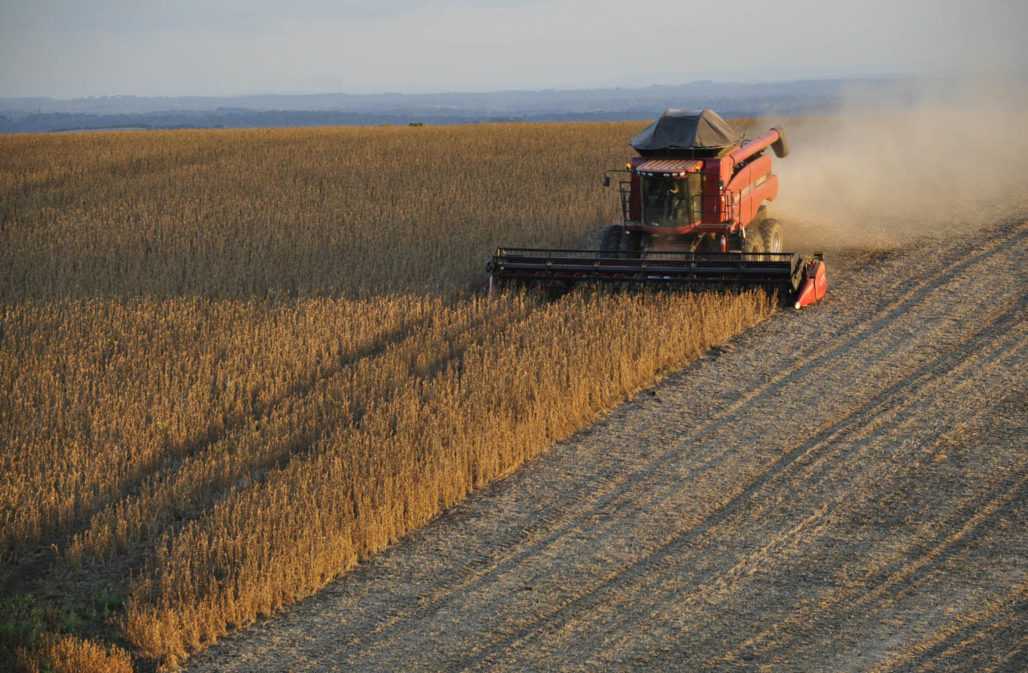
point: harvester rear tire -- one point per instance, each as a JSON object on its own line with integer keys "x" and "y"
{"x": 771, "y": 232}
{"x": 612, "y": 238}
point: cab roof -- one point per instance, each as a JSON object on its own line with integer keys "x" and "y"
{"x": 673, "y": 167}
{"x": 697, "y": 132}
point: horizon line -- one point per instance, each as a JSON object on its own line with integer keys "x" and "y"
{"x": 514, "y": 90}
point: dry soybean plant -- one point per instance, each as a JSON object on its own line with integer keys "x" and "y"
{"x": 235, "y": 363}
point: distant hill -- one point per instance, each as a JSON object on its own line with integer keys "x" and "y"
{"x": 730, "y": 99}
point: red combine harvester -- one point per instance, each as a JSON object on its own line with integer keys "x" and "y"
{"x": 694, "y": 216}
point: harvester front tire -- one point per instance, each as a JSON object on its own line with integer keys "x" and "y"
{"x": 753, "y": 243}
{"x": 771, "y": 232}
{"x": 612, "y": 238}
{"x": 633, "y": 244}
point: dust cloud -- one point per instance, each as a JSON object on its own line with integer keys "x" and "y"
{"x": 943, "y": 163}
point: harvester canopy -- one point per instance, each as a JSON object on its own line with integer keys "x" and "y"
{"x": 679, "y": 130}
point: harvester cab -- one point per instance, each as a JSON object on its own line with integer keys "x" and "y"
{"x": 671, "y": 201}
{"x": 694, "y": 215}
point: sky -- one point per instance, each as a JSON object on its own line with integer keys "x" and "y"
{"x": 78, "y": 48}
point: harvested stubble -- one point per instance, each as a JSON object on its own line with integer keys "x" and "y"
{"x": 236, "y": 363}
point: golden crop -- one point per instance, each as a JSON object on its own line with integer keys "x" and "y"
{"x": 235, "y": 363}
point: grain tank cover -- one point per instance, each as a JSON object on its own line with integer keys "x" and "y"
{"x": 686, "y": 130}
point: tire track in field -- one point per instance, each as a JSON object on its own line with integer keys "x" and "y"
{"x": 928, "y": 558}
{"x": 889, "y": 310}
{"x": 972, "y": 630}
{"x": 978, "y": 517}
{"x": 831, "y": 465}
{"x": 650, "y": 567}
{"x": 920, "y": 556}
{"x": 928, "y": 554}
{"x": 1011, "y": 662}
{"x": 981, "y": 517}
{"x": 667, "y": 660}
{"x": 428, "y": 605}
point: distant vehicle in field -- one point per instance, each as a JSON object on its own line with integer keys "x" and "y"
{"x": 694, "y": 215}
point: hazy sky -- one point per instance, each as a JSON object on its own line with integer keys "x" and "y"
{"x": 70, "y": 48}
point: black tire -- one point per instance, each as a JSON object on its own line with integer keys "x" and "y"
{"x": 633, "y": 244}
{"x": 753, "y": 243}
{"x": 709, "y": 245}
{"x": 612, "y": 238}
{"x": 771, "y": 233}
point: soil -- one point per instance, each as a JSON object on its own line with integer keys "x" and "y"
{"x": 840, "y": 489}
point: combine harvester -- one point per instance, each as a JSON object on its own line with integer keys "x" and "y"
{"x": 694, "y": 216}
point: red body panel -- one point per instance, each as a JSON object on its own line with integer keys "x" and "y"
{"x": 714, "y": 179}
{"x": 815, "y": 284}
{"x": 731, "y": 196}
{"x": 635, "y": 200}
{"x": 750, "y": 188}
